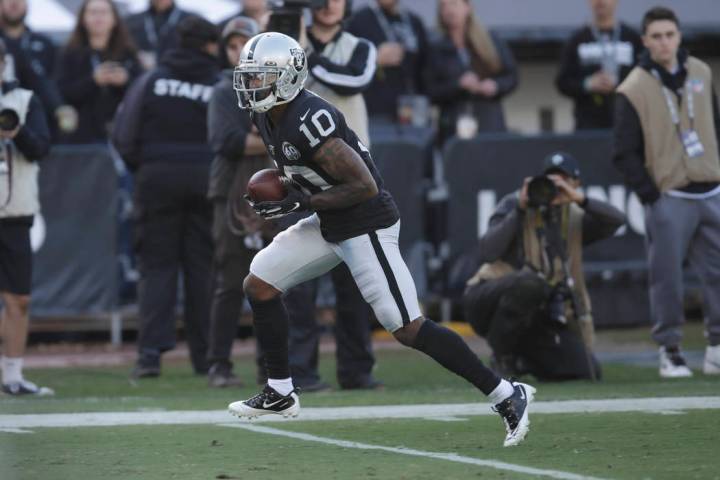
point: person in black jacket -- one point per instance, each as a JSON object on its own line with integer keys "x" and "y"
{"x": 529, "y": 298}
{"x": 32, "y": 62}
{"x": 21, "y": 146}
{"x": 161, "y": 134}
{"x": 155, "y": 30}
{"x": 401, "y": 42}
{"x": 97, "y": 66}
{"x": 467, "y": 73}
{"x": 239, "y": 153}
{"x": 595, "y": 60}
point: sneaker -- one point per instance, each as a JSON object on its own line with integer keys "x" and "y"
{"x": 711, "y": 365}
{"x": 672, "y": 363}
{"x": 369, "y": 384}
{"x": 266, "y": 402}
{"x": 24, "y": 387}
{"x": 145, "y": 371}
{"x": 514, "y": 412}
{"x": 221, "y": 376}
{"x": 316, "y": 386}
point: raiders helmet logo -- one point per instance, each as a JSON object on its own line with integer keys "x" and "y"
{"x": 298, "y": 55}
{"x": 290, "y": 151}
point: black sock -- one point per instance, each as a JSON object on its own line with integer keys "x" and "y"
{"x": 449, "y": 350}
{"x": 271, "y": 328}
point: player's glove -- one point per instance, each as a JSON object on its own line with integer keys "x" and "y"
{"x": 294, "y": 201}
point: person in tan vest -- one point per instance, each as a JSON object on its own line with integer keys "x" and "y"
{"x": 529, "y": 298}
{"x": 666, "y": 146}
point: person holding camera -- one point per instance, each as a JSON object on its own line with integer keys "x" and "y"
{"x": 529, "y": 298}
{"x": 667, "y": 133}
{"x": 24, "y": 139}
{"x": 341, "y": 66}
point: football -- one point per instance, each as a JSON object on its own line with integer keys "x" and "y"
{"x": 265, "y": 185}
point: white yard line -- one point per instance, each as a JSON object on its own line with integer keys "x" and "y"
{"x": 106, "y": 419}
{"x": 452, "y": 457}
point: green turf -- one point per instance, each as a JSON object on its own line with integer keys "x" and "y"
{"x": 410, "y": 378}
{"x": 618, "y": 446}
{"x": 608, "y": 445}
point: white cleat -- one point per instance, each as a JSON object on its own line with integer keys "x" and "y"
{"x": 711, "y": 365}
{"x": 514, "y": 412}
{"x": 672, "y": 364}
{"x": 267, "y": 402}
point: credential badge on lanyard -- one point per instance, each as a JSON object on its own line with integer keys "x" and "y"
{"x": 689, "y": 138}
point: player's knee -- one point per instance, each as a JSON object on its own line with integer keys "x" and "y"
{"x": 408, "y": 333}
{"x": 259, "y": 290}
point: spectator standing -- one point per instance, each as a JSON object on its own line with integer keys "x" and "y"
{"x": 39, "y": 49}
{"x": 96, "y": 67}
{"x": 239, "y": 153}
{"x": 595, "y": 60}
{"x": 529, "y": 297}
{"x": 341, "y": 68}
{"x": 22, "y": 146}
{"x": 667, "y": 132}
{"x": 161, "y": 134}
{"x": 40, "y": 52}
{"x": 154, "y": 30}
{"x": 468, "y": 72}
{"x": 401, "y": 42}
{"x": 30, "y": 58}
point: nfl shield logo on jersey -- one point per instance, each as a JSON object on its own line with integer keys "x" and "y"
{"x": 290, "y": 151}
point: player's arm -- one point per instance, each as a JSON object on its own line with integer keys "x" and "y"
{"x": 355, "y": 183}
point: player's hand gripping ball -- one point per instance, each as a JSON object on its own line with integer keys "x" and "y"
{"x": 273, "y": 196}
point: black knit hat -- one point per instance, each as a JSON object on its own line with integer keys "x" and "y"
{"x": 196, "y": 32}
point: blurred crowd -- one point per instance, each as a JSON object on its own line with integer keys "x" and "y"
{"x": 453, "y": 76}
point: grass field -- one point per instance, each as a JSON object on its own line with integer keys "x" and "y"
{"x": 615, "y": 445}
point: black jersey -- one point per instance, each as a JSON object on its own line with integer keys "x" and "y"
{"x": 308, "y": 122}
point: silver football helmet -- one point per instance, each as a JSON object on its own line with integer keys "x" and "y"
{"x": 272, "y": 71}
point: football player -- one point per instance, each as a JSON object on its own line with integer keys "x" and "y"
{"x": 330, "y": 172}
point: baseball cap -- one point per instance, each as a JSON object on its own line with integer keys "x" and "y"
{"x": 561, "y": 162}
{"x": 245, "y": 26}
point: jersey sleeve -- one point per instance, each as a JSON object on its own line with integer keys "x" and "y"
{"x": 316, "y": 121}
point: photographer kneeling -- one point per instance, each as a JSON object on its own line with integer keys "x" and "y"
{"x": 529, "y": 298}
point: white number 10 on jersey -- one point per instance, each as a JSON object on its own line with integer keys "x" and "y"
{"x": 324, "y": 131}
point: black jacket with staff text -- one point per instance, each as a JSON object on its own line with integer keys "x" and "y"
{"x": 163, "y": 116}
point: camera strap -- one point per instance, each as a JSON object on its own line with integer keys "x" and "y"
{"x": 8, "y": 160}
{"x": 552, "y": 240}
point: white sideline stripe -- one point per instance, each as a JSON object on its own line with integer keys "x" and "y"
{"x": 107, "y": 419}
{"x": 452, "y": 457}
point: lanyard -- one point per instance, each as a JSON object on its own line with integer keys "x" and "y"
{"x": 674, "y": 115}
{"x": 598, "y": 36}
{"x": 152, "y": 34}
{"x": 409, "y": 39}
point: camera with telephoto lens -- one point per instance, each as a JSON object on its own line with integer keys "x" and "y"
{"x": 286, "y": 14}
{"x": 9, "y": 119}
{"x": 541, "y": 191}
